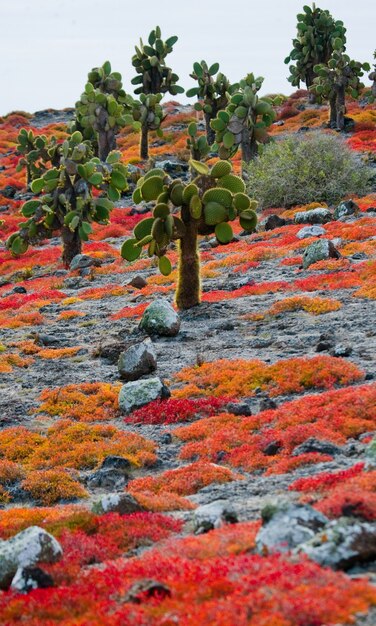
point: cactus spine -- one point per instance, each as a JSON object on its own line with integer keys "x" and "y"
{"x": 207, "y": 205}
{"x": 64, "y": 199}
{"x": 154, "y": 79}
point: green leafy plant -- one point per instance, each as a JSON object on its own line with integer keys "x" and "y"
{"x": 298, "y": 170}
{"x": 207, "y": 205}
{"x": 317, "y": 32}
{"x": 101, "y": 110}
{"x": 341, "y": 75}
{"x": 64, "y": 201}
{"x": 244, "y": 122}
{"x": 38, "y": 152}
{"x": 213, "y": 93}
{"x": 153, "y": 77}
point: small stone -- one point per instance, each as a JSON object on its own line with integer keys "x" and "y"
{"x": 320, "y": 215}
{"x": 214, "y": 515}
{"x": 160, "y": 319}
{"x": 311, "y": 231}
{"x": 286, "y": 526}
{"x": 138, "y": 282}
{"x": 272, "y": 448}
{"x": 28, "y": 578}
{"x": 144, "y": 589}
{"x": 342, "y": 544}
{"x": 316, "y": 445}
{"x": 266, "y": 404}
{"x": 116, "y": 462}
{"x": 138, "y": 360}
{"x": 318, "y": 251}
{"x": 238, "y": 408}
{"x": 81, "y": 261}
{"x": 273, "y": 221}
{"x": 341, "y": 349}
{"x": 107, "y": 478}
{"x": 28, "y": 548}
{"x": 122, "y": 503}
{"x": 348, "y": 207}
{"x": 135, "y": 394}
{"x": 165, "y": 439}
{"x": 19, "y": 290}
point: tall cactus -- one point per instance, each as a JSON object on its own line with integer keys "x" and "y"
{"x": 244, "y": 122}
{"x": 153, "y": 78}
{"x": 213, "y": 199}
{"x": 64, "y": 199}
{"x": 100, "y": 112}
{"x": 213, "y": 93}
{"x": 38, "y": 153}
{"x": 372, "y": 76}
{"x": 340, "y": 76}
{"x": 316, "y": 32}
{"x": 197, "y": 144}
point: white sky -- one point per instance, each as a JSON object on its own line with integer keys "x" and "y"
{"x": 47, "y": 47}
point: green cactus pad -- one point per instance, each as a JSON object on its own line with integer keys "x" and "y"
{"x": 241, "y": 202}
{"x": 164, "y": 265}
{"x": 151, "y": 188}
{"x": 222, "y": 196}
{"x": 130, "y": 251}
{"x": 214, "y": 213}
{"x": 189, "y": 191}
{"x": 158, "y": 230}
{"x": 157, "y": 171}
{"x": 143, "y": 228}
{"x": 224, "y": 232}
{"x": 221, "y": 168}
{"x": 161, "y": 210}
{"x": 248, "y": 220}
{"x": 195, "y": 207}
{"x": 176, "y": 194}
{"x": 233, "y": 183}
{"x": 201, "y": 168}
{"x": 137, "y": 196}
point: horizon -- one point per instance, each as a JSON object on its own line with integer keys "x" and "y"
{"x": 82, "y": 39}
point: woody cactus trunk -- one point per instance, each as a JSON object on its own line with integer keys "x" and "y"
{"x": 207, "y": 205}
{"x": 154, "y": 79}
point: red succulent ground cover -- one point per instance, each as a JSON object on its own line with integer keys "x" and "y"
{"x": 215, "y": 578}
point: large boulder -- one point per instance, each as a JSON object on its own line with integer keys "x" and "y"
{"x": 314, "y": 216}
{"x": 122, "y": 503}
{"x": 138, "y": 360}
{"x": 161, "y": 319}
{"x": 214, "y": 515}
{"x": 137, "y": 393}
{"x": 342, "y": 544}
{"x": 311, "y": 231}
{"x": 28, "y": 548}
{"x": 28, "y": 578}
{"x": 319, "y": 251}
{"x": 82, "y": 261}
{"x": 287, "y": 525}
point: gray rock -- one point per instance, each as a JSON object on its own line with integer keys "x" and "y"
{"x": 29, "y": 578}
{"x": 314, "y": 216}
{"x": 287, "y": 525}
{"x": 317, "y": 445}
{"x": 116, "y": 462}
{"x": 348, "y": 207}
{"x": 371, "y": 455}
{"x": 342, "y": 544}
{"x": 161, "y": 319}
{"x": 138, "y": 360}
{"x": 318, "y": 251}
{"x": 81, "y": 261}
{"x": 214, "y": 515}
{"x": 29, "y": 547}
{"x": 272, "y": 222}
{"x": 137, "y": 393}
{"x": 138, "y": 282}
{"x": 311, "y": 231}
{"x": 122, "y": 503}
{"x": 341, "y": 349}
{"x": 239, "y": 408}
{"x": 107, "y": 478}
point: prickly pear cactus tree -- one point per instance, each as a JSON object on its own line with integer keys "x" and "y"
{"x": 244, "y": 122}
{"x": 341, "y": 75}
{"x": 314, "y": 43}
{"x": 153, "y": 77}
{"x": 64, "y": 201}
{"x": 213, "y": 93}
{"x": 197, "y": 144}
{"x": 148, "y": 114}
{"x": 101, "y": 110}
{"x": 182, "y": 212}
{"x": 38, "y": 153}
{"x": 372, "y": 76}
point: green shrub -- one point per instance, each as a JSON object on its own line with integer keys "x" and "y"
{"x": 317, "y": 167}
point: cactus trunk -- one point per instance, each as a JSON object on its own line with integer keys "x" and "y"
{"x": 189, "y": 283}
{"x": 249, "y": 145}
{"x": 333, "y": 111}
{"x": 144, "y": 145}
{"x": 106, "y": 143}
{"x": 72, "y": 244}
{"x": 210, "y": 133}
{"x": 341, "y": 107}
